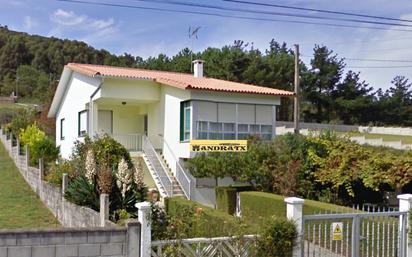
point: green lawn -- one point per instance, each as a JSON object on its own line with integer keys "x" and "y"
{"x": 404, "y": 139}
{"x": 20, "y": 207}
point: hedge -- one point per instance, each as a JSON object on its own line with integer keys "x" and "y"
{"x": 259, "y": 206}
{"x": 212, "y": 223}
{"x": 226, "y": 199}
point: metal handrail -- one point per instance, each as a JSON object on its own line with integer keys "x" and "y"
{"x": 188, "y": 191}
{"x": 148, "y": 144}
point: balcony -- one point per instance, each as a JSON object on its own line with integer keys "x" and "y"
{"x": 132, "y": 142}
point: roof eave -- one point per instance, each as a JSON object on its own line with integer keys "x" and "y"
{"x": 60, "y": 91}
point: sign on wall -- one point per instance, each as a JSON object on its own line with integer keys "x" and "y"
{"x": 337, "y": 231}
{"x": 218, "y": 145}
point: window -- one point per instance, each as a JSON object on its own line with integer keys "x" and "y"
{"x": 215, "y": 130}
{"x": 62, "y": 129}
{"x": 82, "y": 123}
{"x": 185, "y": 121}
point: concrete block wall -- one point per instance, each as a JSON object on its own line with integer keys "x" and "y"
{"x": 68, "y": 214}
{"x": 68, "y": 242}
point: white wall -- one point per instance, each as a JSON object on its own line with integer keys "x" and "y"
{"x": 77, "y": 95}
{"x": 171, "y": 98}
{"x": 127, "y": 119}
{"x": 125, "y": 89}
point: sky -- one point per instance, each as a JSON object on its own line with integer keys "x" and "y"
{"x": 145, "y": 33}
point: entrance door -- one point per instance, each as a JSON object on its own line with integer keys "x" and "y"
{"x": 105, "y": 121}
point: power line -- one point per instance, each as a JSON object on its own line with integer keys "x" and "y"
{"x": 379, "y": 67}
{"x": 232, "y": 9}
{"x": 367, "y": 60}
{"x": 318, "y": 10}
{"x": 229, "y": 16}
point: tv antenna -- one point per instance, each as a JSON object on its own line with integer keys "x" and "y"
{"x": 193, "y": 35}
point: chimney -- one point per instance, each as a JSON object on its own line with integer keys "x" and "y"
{"x": 198, "y": 68}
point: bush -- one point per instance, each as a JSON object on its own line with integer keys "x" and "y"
{"x": 22, "y": 119}
{"x": 54, "y": 173}
{"x": 226, "y": 199}
{"x": 277, "y": 239}
{"x": 31, "y": 135}
{"x": 40, "y": 145}
{"x": 45, "y": 149}
{"x": 81, "y": 192}
{"x": 195, "y": 220}
{"x": 103, "y": 165}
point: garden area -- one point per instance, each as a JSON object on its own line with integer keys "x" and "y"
{"x": 325, "y": 168}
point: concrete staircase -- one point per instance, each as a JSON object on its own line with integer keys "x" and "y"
{"x": 177, "y": 190}
{"x": 160, "y": 171}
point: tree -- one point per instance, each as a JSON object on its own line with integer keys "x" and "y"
{"x": 319, "y": 84}
{"x": 353, "y": 101}
{"x": 396, "y": 103}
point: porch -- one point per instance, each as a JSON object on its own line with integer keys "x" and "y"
{"x": 127, "y": 121}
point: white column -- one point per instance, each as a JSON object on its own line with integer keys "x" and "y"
{"x": 294, "y": 211}
{"x": 104, "y": 209}
{"x": 405, "y": 204}
{"x": 143, "y": 214}
{"x": 65, "y": 183}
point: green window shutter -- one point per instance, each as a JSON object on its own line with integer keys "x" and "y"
{"x": 182, "y": 129}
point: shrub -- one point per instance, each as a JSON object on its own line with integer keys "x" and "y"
{"x": 31, "y": 135}
{"x": 106, "y": 166}
{"x": 22, "y": 119}
{"x": 277, "y": 239}
{"x": 54, "y": 173}
{"x": 226, "y": 199}
{"x": 45, "y": 149}
{"x": 81, "y": 192}
{"x": 197, "y": 220}
{"x": 40, "y": 145}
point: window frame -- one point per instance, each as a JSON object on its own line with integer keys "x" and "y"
{"x": 62, "y": 121}
{"x": 82, "y": 133}
{"x": 185, "y": 125}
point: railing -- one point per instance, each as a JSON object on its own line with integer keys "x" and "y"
{"x": 158, "y": 166}
{"x": 132, "y": 142}
{"x": 181, "y": 176}
{"x": 242, "y": 246}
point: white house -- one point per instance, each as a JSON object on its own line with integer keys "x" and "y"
{"x": 156, "y": 111}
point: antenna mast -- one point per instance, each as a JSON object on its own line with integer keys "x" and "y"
{"x": 192, "y": 35}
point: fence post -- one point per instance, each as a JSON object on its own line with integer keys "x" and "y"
{"x": 65, "y": 183}
{"x": 143, "y": 214}
{"x": 133, "y": 238}
{"x": 104, "y": 209}
{"x": 41, "y": 169}
{"x": 294, "y": 211}
{"x": 405, "y": 204}
{"x": 18, "y": 147}
{"x": 11, "y": 145}
{"x": 27, "y": 150}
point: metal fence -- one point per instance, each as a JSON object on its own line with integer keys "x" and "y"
{"x": 363, "y": 234}
{"x": 244, "y": 246}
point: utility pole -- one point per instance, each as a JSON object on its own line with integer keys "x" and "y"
{"x": 296, "y": 98}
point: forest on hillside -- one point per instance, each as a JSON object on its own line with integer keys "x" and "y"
{"x": 32, "y": 65}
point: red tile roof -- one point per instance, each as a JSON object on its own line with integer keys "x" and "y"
{"x": 179, "y": 80}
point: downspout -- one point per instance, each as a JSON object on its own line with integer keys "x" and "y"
{"x": 91, "y": 107}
